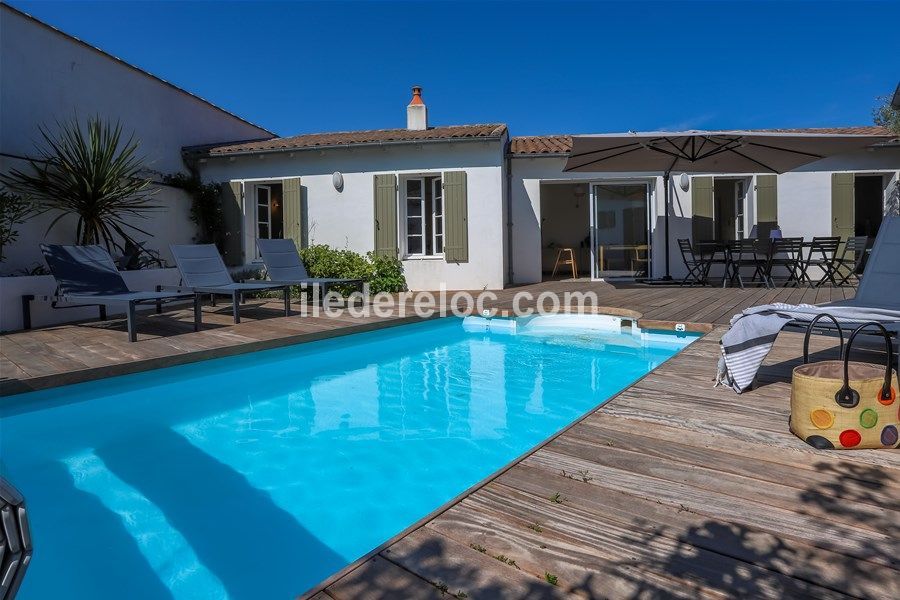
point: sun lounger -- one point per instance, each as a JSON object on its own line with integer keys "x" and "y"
{"x": 880, "y": 283}
{"x": 284, "y": 266}
{"x": 87, "y": 276}
{"x": 203, "y": 271}
{"x": 753, "y": 332}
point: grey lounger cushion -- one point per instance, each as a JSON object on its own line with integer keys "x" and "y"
{"x": 283, "y": 264}
{"x": 89, "y": 273}
{"x": 203, "y": 270}
{"x": 880, "y": 283}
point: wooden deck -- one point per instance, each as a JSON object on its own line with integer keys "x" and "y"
{"x": 671, "y": 489}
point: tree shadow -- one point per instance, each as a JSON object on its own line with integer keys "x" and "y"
{"x": 407, "y": 569}
{"x": 747, "y": 562}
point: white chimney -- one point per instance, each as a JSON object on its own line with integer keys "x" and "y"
{"x": 416, "y": 112}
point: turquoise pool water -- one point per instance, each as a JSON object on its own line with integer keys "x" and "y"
{"x": 258, "y": 476}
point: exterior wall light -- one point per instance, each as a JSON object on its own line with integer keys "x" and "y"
{"x": 337, "y": 180}
{"x": 684, "y": 182}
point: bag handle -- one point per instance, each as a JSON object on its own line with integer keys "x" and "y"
{"x": 847, "y": 396}
{"x": 809, "y": 329}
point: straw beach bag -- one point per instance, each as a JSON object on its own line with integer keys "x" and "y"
{"x": 842, "y": 404}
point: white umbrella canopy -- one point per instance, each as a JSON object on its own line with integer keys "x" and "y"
{"x": 709, "y": 151}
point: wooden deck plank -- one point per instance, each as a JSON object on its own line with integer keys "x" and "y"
{"x": 444, "y": 561}
{"x": 379, "y": 578}
{"x": 520, "y": 494}
{"x": 578, "y": 538}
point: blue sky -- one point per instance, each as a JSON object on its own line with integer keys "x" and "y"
{"x": 540, "y": 67}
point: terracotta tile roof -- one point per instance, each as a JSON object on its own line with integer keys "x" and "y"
{"x": 562, "y": 144}
{"x": 349, "y": 138}
{"x": 541, "y": 144}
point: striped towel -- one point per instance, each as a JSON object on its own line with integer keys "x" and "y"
{"x": 752, "y": 333}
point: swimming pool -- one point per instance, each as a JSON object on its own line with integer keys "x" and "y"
{"x": 257, "y": 476}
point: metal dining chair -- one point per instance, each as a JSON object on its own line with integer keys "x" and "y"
{"x": 787, "y": 253}
{"x": 849, "y": 265}
{"x": 697, "y": 267}
{"x": 712, "y": 253}
{"x": 746, "y": 254}
{"x": 822, "y": 252}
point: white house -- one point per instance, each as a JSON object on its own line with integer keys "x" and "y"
{"x": 520, "y": 206}
{"x": 468, "y": 206}
{"x": 432, "y": 196}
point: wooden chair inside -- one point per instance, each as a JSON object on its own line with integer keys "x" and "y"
{"x": 566, "y": 256}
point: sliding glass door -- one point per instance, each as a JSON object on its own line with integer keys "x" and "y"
{"x": 620, "y": 225}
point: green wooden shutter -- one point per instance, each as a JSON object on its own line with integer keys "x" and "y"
{"x": 766, "y": 205}
{"x": 456, "y": 217}
{"x": 386, "y": 215}
{"x": 703, "y": 208}
{"x": 843, "y": 217}
{"x": 292, "y": 210}
{"x": 233, "y": 244}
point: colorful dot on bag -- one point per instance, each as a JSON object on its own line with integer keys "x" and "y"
{"x": 850, "y": 438}
{"x": 821, "y": 418}
{"x": 889, "y": 435}
{"x": 868, "y": 418}
{"x": 887, "y": 401}
{"x": 819, "y": 442}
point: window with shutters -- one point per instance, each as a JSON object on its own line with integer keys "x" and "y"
{"x": 422, "y": 219}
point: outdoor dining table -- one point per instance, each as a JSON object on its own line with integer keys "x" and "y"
{"x": 715, "y": 252}
{"x": 722, "y": 252}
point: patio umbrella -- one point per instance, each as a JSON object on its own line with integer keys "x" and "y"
{"x": 707, "y": 152}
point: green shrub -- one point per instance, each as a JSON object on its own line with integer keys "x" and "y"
{"x": 325, "y": 261}
{"x": 382, "y": 274}
{"x": 387, "y": 275}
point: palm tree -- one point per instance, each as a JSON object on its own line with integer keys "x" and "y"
{"x": 92, "y": 174}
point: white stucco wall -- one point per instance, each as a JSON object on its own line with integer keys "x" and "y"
{"x": 345, "y": 219}
{"x": 804, "y": 195}
{"x": 46, "y": 76}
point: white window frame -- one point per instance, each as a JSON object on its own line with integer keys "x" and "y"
{"x": 437, "y": 191}
{"x": 407, "y": 217}
{"x": 740, "y": 209}
{"x": 436, "y": 180}
{"x": 268, "y": 221}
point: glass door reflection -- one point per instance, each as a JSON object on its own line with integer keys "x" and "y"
{"x": 620, "y": 230}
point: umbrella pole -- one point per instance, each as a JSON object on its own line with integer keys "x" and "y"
{"x": 667, "y": 276}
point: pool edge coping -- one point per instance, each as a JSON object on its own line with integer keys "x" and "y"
{"x": 12, "y": 388}
{"x": 15, "y": 387}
